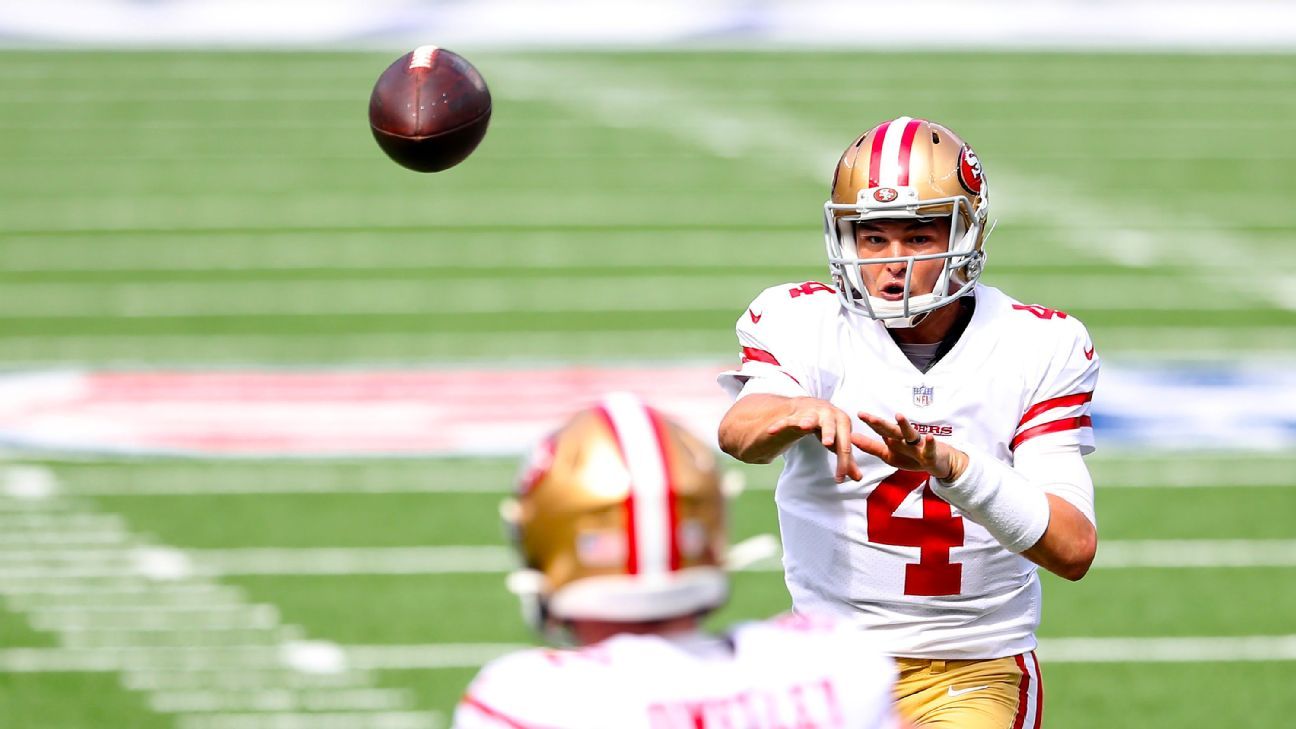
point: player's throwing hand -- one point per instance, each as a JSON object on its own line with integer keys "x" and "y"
{"x": 905, "y": 448}
{"x": 831, "y": 424}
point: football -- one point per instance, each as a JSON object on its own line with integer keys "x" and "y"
{"x": 429, "y": 110}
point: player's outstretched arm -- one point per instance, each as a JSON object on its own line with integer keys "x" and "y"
{"x": 759, "y": 427}
{"x": 1069, "y": 544}
{"x": 1042, "y": 527}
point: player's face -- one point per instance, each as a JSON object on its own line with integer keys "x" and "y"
{"x": 896, "y": 239}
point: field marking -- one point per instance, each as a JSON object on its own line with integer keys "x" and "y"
{"x": 314, "y": 720}
{"x": 22, "y": 568}
{"x": 439, "y": 656}
{"x": 448, "y": 476}
{"x": 280, "y": 700}
{"x": 623, "y": 99}
{"x": 981, "y": 94}
{"x": 501, "y": 411}
{"x": 1169, "y": 650}
{"x": 125, "y": 606}
{"x": 1053, "y": 650}
{"x": 988, "y": 67}
{"x": 1052, "y": 125}
{"x": 1212, "y": 343}
{"x": 495, "y": 295}
{"x": 228, "y": 251}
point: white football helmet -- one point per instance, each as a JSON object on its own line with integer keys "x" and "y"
{"x": 907, "y": 168}
{"x": 620, "y": 517}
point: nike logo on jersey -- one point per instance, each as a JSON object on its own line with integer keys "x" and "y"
{"x": 1088, "y": 353}
{"x": 959, "y": 692}
{"x": 754, "y": 316}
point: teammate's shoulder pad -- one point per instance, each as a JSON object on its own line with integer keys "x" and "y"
{"x": 519, "y": 684}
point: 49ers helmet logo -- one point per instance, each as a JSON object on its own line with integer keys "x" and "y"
{"x": 885, "y": 194}
{"x": 969, "y": 171}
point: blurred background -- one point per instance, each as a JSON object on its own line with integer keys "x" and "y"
{"x": 261, "y": 389}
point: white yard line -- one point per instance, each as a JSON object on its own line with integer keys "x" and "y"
{"x": 472, "y": 655}
{"x": 486, "y": 295}
{"x": 1212, "y": 343}
{"x": 445, "y": 477}
{"x": 20, "y": 569}
{"x": 143, "y": 611}
{"x": 435, "y": 656}
{"x": 698, "y": 119}
{"x": 1195, "y": 553}
{"x": 302, "y": 347}
{"x": 314, "y": 720}
{"x": 1169, "y": 650}
{"x": 484, "y": 250}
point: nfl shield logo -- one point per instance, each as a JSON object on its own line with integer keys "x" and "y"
{"x": 922, "y": 396}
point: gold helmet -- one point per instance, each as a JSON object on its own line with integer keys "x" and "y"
{"x": 619, "y": 516}
{"x": 907, "y": 168}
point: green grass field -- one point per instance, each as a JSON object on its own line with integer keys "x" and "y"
{"x": 215, "y": 209}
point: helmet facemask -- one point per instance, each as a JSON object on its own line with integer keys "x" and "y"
{"x": 963, "y": 259}
{"x": 907, "y": 169}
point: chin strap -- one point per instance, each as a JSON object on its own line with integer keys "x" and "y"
{"x": 908, "y": 322}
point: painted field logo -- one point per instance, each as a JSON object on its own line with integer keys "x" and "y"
{"x": 349, "y": 413}
{"x": 885, "y": 194}
{"x": 922, "y": 396}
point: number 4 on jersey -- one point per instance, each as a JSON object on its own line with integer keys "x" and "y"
{"x": 1040, "y": 312}
{"x": 934, "y": 534}
{"x": 810, "y": 287}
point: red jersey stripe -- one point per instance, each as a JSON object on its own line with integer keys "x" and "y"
{"x": 632, "y": 550}
{"x": 750, "y": 354}
{"x": 1084, "y": 421}
{"x": 875, "y": 155}
{"x": 1065, "y": 401}
{"x": 672, "y": 512}
{"x": 1023, "y": 693}
{"x": 470, "y": 700}
{"x": 906, "y": 151}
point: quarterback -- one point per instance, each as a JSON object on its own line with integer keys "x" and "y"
{"x": 933, "y": 431}
{"x": 619, "y": 520}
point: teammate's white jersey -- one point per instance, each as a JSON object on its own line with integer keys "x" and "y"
{"x": 886, "y": 552}
{"x": 790, "y": 671}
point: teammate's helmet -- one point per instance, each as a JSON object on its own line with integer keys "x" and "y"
{"x": 619, "y": 516}
{"x": 907, "y": 168}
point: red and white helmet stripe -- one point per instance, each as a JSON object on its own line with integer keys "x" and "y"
{"x": 651, "y": 518}
{"x": 889, "y": 155}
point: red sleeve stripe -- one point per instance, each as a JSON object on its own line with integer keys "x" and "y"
{"x": 1084, "y": 421}
{"x": 751, "y": 354}
{"x": 1066, "y": 401}
{"x": 469, "y": 700}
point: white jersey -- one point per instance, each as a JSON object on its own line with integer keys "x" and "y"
{"x": 886, "y": 552}
{"x": 785, "y": 672}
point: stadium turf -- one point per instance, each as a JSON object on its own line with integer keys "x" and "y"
{"x": 198, "y": 209}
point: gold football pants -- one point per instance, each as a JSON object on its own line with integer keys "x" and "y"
{"x": 998, "y": 693}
